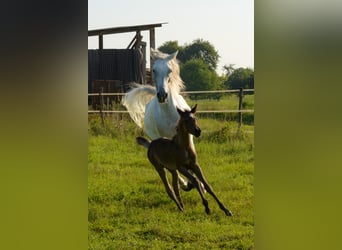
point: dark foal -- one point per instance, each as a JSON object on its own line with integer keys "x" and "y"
{"x": 178, "y": 154}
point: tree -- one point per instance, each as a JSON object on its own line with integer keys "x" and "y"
{"x": 241, "y": 78}
{"x": 202, "y": 50}
{"x": 199, "y": 49}
{"x": 228, "y": 69}
{"x": 197, "y": 76}
{"x": 170, "y": 47}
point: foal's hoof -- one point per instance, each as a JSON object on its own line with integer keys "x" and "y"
{"x": 207, "y": 210}
{"x": 228, "y": 213}
{"x": 188, "y": 187}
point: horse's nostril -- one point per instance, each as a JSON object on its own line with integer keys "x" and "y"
{"x": 161, "y": 97}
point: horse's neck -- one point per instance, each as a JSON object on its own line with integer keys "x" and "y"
{"x": 172, "y": 101}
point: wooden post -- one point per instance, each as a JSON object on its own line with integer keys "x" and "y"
{"x": 138, "y": 40}
{"x": 101, "y": 105}
{"x": 240, "y": 107}
{"x": 100, "y": 41}
{"x": 143, "y": 66}
{"x": 152, "y": 38}
{"x": 153, "y": 46}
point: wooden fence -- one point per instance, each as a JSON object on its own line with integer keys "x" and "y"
{"x": 240, "y": 92}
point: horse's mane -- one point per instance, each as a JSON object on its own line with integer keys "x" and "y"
{"x": 176, "y": 82}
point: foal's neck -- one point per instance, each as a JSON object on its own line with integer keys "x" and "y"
{"x": 184, "y": 139}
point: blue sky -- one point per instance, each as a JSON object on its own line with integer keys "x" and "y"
{"x": 227, "y": 24}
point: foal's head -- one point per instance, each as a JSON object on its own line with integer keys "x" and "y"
{"x": 188, "y": 122}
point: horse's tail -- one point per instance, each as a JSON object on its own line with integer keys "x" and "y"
{"x": 135, "y": 101}
{"x": 144, "y": 142}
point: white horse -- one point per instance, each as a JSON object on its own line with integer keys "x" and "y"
{"x": 155, "y": 108}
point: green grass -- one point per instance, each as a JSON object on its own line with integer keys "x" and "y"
{"x": 128, "y": 207}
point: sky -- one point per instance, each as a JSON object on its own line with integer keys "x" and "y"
{"x": 227, "y": 24}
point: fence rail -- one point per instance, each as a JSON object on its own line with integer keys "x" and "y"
{"x": 199, "y": 111}
{"x": 184, "y": 92}
{"x": 239, "y": 110}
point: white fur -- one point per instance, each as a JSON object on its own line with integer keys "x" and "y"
{"x": 158, "y": 119}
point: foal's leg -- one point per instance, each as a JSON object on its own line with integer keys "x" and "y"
{"x": 175, "y": 184}
{"x": 162, "y": 174}
{"x": 197, "y": 184}
{"x": 198, "y": 172}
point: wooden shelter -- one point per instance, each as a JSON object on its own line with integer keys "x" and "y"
{"x": 112, "y": 69}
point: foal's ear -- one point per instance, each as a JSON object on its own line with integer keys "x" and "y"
{"x": 193, "y": 110}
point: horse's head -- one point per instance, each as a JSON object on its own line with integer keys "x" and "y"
{"x": 162, "y": 71}
{"x": 188, "y": 121}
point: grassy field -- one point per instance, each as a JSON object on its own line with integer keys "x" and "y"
{"x": 129, "y": 208}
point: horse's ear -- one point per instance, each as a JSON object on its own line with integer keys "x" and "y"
{"x": 154, "y": 52}
{"x": 193, "y": 110}
{"x": 172, "y": 56}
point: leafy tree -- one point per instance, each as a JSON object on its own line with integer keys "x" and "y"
{"x": 198, "y": 76}
{"x": 228, "y": 69}
{"x": 202, "y": 50}
{"x": 241, "y": 78}
{"x": 199, "y": 49}
{"x": 170, "y": 47}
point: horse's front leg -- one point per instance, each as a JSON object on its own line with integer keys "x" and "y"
{"x": 198, "y": 172}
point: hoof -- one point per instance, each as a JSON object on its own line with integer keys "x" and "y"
{"x": 188, "y": 187}
{"x": 207, "y": 210}
{"x": 228, "y": 213}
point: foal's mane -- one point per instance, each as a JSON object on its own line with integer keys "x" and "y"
{"x": 176, "y": 83}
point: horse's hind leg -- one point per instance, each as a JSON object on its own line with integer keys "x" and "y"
{"x": 162, "y": 174}
{"x": 198, "y": 172}
{"x": 197, "y": 184}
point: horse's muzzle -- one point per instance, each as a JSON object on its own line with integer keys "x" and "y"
{"x": 197, "y": 132}
{"x": 161, "y": 97}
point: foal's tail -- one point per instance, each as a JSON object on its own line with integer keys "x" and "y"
{"x": 144, "y": 142}
{"x": 136, "y": 99}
